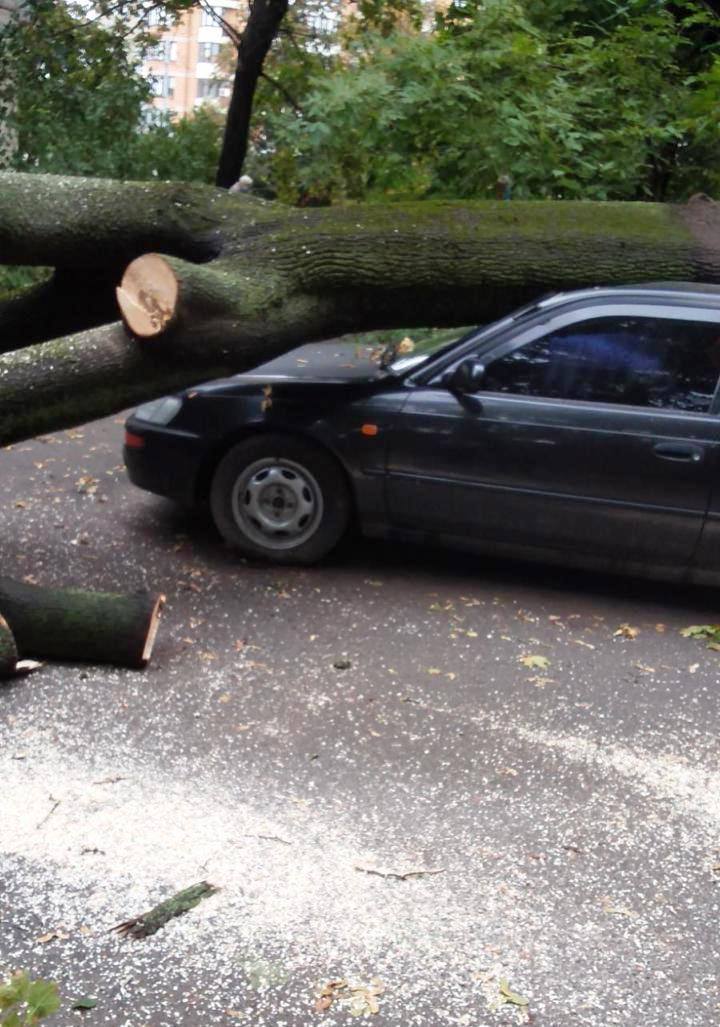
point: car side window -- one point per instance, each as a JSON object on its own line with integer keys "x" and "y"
{"x": 641, "y": 361}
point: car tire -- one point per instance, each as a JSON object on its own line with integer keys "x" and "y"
{"x": 280, "y": 499}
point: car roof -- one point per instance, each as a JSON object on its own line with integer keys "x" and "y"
{"x": 693, "y": 293}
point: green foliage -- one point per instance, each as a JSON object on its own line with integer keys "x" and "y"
{"x": 185, "y": 150}
{"x": 80, "y": 100}
{"x": 78, "y": 95}
{"x": 24, "y": 1002}
{"x": 17, "y": 279}
{"x": 596, "y": 100}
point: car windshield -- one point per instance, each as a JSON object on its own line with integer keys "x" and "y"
{"x": 429, "y": 344}
{"x": 433, "y": 342}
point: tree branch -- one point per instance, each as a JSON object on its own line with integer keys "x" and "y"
{"x": 283, "y": 92}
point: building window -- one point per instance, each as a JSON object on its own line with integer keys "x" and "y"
{"x": 210, "y": 15}
{"x": 163, "y": 50}
{"x": 163, "y": 85}
{"x": 208, "y": 88}
{"x": 208, "y": 51}
{"x": 157, "y": 16}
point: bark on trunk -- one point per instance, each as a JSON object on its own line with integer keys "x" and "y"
{"x": 70, "y": 624}
{"x": 256, "y": 39}
{"x": 239, "y": 280}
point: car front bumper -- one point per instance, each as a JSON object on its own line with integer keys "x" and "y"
{"x": 165, "y": 461}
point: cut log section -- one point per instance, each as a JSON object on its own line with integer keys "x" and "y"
{"x": 147, "y": 296}
{"x": 71, "y": 624}
{"x": 8, "y": 651}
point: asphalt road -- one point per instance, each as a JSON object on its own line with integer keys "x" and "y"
{"x": 357, "y": 758}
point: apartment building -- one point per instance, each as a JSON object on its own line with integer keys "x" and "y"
{"x": 183, "y": 64}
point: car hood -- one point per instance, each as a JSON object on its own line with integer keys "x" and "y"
{"x": 318, "y": 363}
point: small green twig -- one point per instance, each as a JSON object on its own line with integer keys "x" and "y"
{"x": 148, "y": 923}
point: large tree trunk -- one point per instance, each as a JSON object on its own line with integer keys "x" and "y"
{"x": 252, "y": 48}
{"x": 216, "y": 282}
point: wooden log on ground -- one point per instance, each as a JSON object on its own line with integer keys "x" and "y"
{"x": 72, "y": 624}
{"x": 8, "y": 651}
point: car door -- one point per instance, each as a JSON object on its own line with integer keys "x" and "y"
{"x": 592, "y": 434}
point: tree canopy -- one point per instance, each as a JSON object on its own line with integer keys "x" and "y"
{"x": 600, "y": 100}
{"x": 80, "y": 100}
{"x": 605, "y": 99}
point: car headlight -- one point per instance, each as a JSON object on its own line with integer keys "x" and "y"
{"x": 159, "y": 411}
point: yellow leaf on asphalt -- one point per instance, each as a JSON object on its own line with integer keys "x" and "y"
{"x": 535, "y": 662}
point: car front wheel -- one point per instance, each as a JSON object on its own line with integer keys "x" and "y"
{"x": 280, "y": 499}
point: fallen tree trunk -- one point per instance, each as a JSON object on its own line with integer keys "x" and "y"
{"x": 238, "y": 280}
{"x": 75, "y": 625}
{"x": 8, "y": 651}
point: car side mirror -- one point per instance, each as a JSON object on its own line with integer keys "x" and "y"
{"x": 467, "y": 378}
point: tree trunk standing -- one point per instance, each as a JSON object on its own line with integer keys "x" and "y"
{"x": 255, "y": 41}
{"x": 9, "y": 9}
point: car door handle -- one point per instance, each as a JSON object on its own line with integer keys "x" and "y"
{"x": 679, "y": 451}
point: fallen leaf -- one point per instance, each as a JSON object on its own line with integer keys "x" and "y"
{"x": 511, "y": 996}
{"x": 626, "y": 631}
{"x": 356, "y": 999}
{"x": 610, "y": 908}
{"x": 534, "y": 662}
{"x": 57, "y": 934}
{"x": 84, "y": 1003}
{"x": 711, "y": 631}
{"x": 87, "y": 485}
{"x": 539, "y": 681}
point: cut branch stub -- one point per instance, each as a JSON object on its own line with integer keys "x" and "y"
{"x": 8, "y": 650}
{"x": 71, "y": 624}
{"x": 148, "y": 296}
